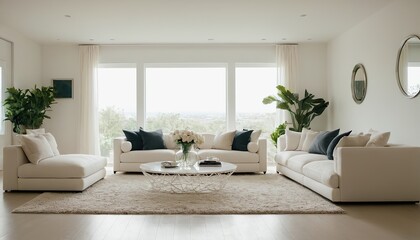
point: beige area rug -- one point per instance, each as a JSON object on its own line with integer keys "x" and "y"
{"x": 130, "y": 194}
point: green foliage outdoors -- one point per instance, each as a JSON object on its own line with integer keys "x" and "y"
{"x": 302, "y": 111}
{"x": 27, "y": 109}
{"x": 111, "y": 123}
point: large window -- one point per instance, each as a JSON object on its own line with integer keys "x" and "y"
{"x": 185, "y": 97}
{"x": 116, "y": 101}
{"x": 253, "y": 83}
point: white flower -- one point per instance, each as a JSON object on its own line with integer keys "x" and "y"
{"x": 187, "y": 136}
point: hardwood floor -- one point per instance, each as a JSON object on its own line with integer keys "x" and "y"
{"x": 362, "y": 221}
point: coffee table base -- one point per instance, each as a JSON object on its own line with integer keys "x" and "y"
{"x": 187, "y": 183}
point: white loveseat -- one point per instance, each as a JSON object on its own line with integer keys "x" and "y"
{"x": 357, "y": 174}
{"x": 247, "y": 161}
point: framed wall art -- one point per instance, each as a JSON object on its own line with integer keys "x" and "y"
{"x": 63, "y": 88}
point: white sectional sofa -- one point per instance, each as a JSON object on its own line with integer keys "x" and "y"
{"x": 126, "y": 160}
{"x": 357, "y": 174}
{"x": 67, "y": 172}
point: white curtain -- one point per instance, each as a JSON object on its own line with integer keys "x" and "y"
{"x": 89, "y": 129}
{"x": 287, "y": 66}
{"x": 287, "y": 71}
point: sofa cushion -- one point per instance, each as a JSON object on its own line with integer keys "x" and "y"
{"x": 253, "y": 147}
{"x": 53, "y": 143}
{"x": 378, "y": 139}
{"x": 63, "y": 166}
{"x": 135, "y": 139}
{"x": 323, "y": 172}
{"x": 152, "y": 140}
{"x": 320, "y": 145}
{"x": 302, "y": 139}
{"x": 208, "y": 141}
{"x": 292, "y": 140}
{"x": 224, "y": 140}
{"x": 126, "y": 146}
{"x": 241, "y": 140}
{"x": 309, "y": 139}
{"x": 296, "y": 163}
{"x": 169, "y": 142}
{"x": 334, "y": 143}
{"x": 282, "y": 157}
{"x": 146, "y": 156}
{"x": 36, "y": 148}
{"x": 229, "y": 155}
{"x": 255, "y": 135}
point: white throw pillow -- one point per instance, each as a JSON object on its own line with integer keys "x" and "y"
{"x": 309, "y": 139}
{"x": 302, "y": 138}
{"x": 126, "y": 146}
{"x": 208, "y": 141}
{"x": 292, "y": 140}
{"x": 255, "y": 135}
{"x": 169, "y": 142}
{"x": 224, "y": 140}
{"x": 252, "y": 147}
{"x": 53, "y": 144}
{"x": 378, "y": 139}
{"x": 352, "y": 141}
{"x": 36, "y": 148}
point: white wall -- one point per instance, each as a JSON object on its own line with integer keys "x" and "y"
{"x": 61, "y": 61}
{"x": 375, "y": 43}
{"x": 26, "y": 73}
{"x": 27, "y": 59}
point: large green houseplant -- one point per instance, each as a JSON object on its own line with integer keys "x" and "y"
{"x": 27, "y": 108}
{"x": 302, "y": 111}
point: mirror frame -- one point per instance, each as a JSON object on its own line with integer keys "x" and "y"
{"x": 397, "y": 68}
{"x": 358, "y": 67}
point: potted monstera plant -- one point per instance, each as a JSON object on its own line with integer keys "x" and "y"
{"x": 302, "y": 111}
{"x": 27, "y": 108}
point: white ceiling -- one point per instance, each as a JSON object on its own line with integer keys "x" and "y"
{"x": 184, "y": 21}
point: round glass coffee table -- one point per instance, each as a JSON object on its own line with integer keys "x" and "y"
{"x": 186, "y": 180}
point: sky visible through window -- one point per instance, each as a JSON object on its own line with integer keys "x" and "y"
{"x": 186, "y": 90}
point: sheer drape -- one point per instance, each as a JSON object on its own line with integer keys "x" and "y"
{"x": 287, "y": 71}
{"x": 89, "y": 129}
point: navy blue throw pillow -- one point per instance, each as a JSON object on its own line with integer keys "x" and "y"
{"x": 322, "y": 141}
{"x": 334, "y": 143}
{"x": 134, "y": 138}
{"x": 241, "y": 140}
{"x": 152, "y": 140}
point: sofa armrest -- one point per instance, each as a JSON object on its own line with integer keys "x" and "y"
{"x": 378, "y": 173}
{"x": 262, "y": 152}
{"x": 281, "y": 143}
{"x": 13, "y": 157}
{"x": 117, "y": 152}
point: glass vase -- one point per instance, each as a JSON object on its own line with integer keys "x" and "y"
{"x": 186, "y": 156}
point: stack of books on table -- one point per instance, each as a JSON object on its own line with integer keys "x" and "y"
{"x": 209, "y": 163}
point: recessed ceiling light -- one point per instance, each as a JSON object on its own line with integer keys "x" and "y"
{"x": 67, "y": 16}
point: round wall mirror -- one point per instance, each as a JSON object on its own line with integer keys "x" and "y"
{"x": 359, "y": 83}
{"x": 408, "y": 66}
